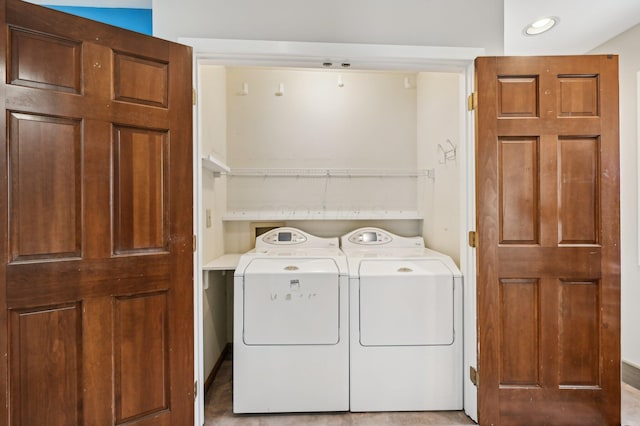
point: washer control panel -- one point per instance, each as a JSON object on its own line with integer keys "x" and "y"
{"x": 370, "y": 237}
{"x": 284, "y": 237}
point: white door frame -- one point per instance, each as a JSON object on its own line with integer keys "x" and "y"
{"x": 227, "y": 52}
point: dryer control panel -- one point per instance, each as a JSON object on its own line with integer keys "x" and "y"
{"x": 370, "y": 237}
{"x": 376, "y": 238}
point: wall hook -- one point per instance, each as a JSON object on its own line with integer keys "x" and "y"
{"x": 447, "y": 153}
{"x": 407, "y": 83}
{"x": 245, "y": 89}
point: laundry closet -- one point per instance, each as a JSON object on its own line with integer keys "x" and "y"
{"x": 326, "y": 150}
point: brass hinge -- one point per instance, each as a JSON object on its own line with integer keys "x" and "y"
{"x": 473, "y": 239}
{"x": 472, "y": 101}
{"x": 194, "y": 96}
{"x": 473, "y": 376}
{"x": 195, "y": 243}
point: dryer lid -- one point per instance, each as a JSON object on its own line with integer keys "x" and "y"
{"x": 403, "y": 268}
{"x": 406, "y": 303}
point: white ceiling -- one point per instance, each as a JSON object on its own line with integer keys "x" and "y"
{"x": 583, "y": 26}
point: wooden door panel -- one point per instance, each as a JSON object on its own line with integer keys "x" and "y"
{"x": 518, "y": 192}
{"x": 142, "y": 384}
{"x": 56, "y": 64}
{"x": 579, "y": 334}
{"x": 140, "y": 80}
{"x": 97, "y": 270}
{"x": 140, "y": 190}
{"x": 46, "y": 365}
{"x": 577, "y": 95}
{"x": 520, "y": 331}
{"x": 548, "y": 241}
{"x": 518, "y": 96}
{"x": 45, "y": 187}
{"x": 578, "y": 186}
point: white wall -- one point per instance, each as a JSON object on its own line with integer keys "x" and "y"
{"x": 438, "y": 120}
{"x": 454, "y": 23}
{"x": 213, "y": 139}
{"x": 626, "y": 45}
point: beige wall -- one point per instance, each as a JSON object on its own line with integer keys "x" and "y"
{"x": 439, "y": 115}
{"x": 626, "y": 45}
{"x": 370, "y": 123}
{"x": 214, "y": 198}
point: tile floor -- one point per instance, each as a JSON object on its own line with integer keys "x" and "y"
{"x": 218, "y": 411}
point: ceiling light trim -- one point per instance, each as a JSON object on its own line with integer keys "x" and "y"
{"x": 540, "y": 26}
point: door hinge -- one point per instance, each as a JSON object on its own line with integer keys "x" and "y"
{"x": 473, "y": 376}
{"x": 195, "y": 243}
{"x": 473, "y": 239}
{"x": 194, "y": 96}
{"x": 195, "y": 390}
{"x": 472, "y": 101}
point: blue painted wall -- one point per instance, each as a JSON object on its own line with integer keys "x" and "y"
{"x": 139, "y": 20}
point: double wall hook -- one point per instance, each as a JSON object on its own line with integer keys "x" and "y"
{"x": 447, "y": 153}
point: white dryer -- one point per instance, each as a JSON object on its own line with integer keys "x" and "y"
{"x": 291, "y": 338}
{"x": 406, "y": 324}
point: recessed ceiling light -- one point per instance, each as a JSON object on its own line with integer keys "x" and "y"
{"x": 541, "y": 25}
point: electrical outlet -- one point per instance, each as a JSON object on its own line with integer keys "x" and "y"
{"x": 208, "y": 217}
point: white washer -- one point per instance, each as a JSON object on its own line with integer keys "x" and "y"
{"x": 291, "y": 339}
{"x": 406, "y": 324}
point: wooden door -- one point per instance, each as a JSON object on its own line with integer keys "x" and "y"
{"x": 96, "y": 205}
{"x": 548, "y": 240}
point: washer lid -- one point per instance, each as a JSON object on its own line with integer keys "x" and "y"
{"x": 291, "y": 302}
{"x": 289, "y": 265}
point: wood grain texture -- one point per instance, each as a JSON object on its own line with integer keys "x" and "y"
{"x": 519, "y": 192}
{"x": 46, "y": 366}
{"x": 64, "y": 252}
{"x": 537, "y": 370}
{"x": 46, "y": 191}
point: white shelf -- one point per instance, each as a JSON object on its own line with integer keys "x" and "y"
{"x": 241, "y": 215}
{"x": 226, "y": 262}
{"x": 214, "y": 164}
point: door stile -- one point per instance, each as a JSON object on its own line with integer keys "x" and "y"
{"x": 487, "y": 254}
{"x": 4, "y": 224}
